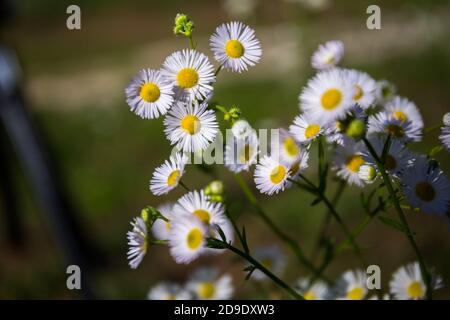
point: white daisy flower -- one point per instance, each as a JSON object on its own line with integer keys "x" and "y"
{"x": 407, "y": 283}
{"x": 305, "y": 129}
{"x": 404, "y": 131}
{"x": 398, "y": 157}
{"x": 385, "y": 91}
{"x": 271, "y": 175}
{"x": 137, "y": 242}
{"x": 191, "y": 73}
{"x": 166, "y": 177}
{"x": 383, "y": 297}
{"x": 288, "y": 149}
{"x": 272, "y": 258}
{"x": 196, "y": 204}
{"x": 168, "y": 291}
{"x": 352, "y": 285}
{"x": 327, "y": 55}
{"x": 160, "y": 227}
{"x": 365, "y": 88}
{"x": 426, "y": 187}
{"x": 208, "y": 285}
{"x": 235, "y": 46}
{"x": 241, "y": 154}
{"x": 190, "y": 126}
{"x": 328, "y": 95}
{"x": 187, "y": 238}
{"x": 446, "y": 119}
{"x": 149, "y": 94}
{"x": 297, "y": 167}
{"x": 367, "y": 173}
{"x": 317, "y": 291}
{"x": 241, "y": 129}
{"x": 347, "y": 161}
{"x": 445, "y": 137}
{"x": 404, "y": 110}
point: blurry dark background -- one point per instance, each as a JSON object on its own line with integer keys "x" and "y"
{"x": 74, "y": 82}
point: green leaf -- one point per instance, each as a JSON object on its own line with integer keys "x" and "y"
{"x": 316, "y": 201}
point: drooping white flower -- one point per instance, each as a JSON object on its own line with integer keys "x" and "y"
{"x": 347, "y": 161}
{"x": 327, "y": 55}
{"x": 235, "y": 46}
{"x": 137, "y": 242}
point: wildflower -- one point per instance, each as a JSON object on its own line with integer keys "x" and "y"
{"x": 327, "y": 96}
{"x": 149, "y": 94}
{"x": 271, "y": 175}
{"x": 367, "y": 173}
{"x": 241, "y": 154}
{"x": 160, "y": 227}
{"x": 404, "y": 110}
{"x": 407, "y": 283}
{"x": 190, "y": 126}
{"x": 235, "y": 46}
{"x": 272, "y": 258}
{"x": 191, "y": 74}
{"x": 317, "y": 291}
{"x": 183, "y": 25}
{"x": 365, "y": 88}
{"x": 305, "y": 128}
{"x": 137, "y": 242}
{"x": 208, "y": 285}
{"x": 168, "y": 291}
{"x": 426, "y": 187}
{"x": 167, "y": 176}
{"x": 241, "y": 129}
{"x": 385, "y": 123}
{"x": 327, "y": 55}
{"x": 352, "y": 285}
{"x": 348, "y": 161}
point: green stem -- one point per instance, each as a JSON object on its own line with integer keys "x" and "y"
{"x": 432, "y": 128}
{"x": 291, "y": 243}
{"x": 184, "y": 186}
{"x": 387, "y": 181}
{"x": 294, "y": 294}
{"x": 219, "y": 68}
{"x": 191, "y": 42}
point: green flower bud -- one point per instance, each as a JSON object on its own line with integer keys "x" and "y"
{"x": 215, "y": 191}
{"x": 183, "y": 25}
{"x": 356, "y": 129}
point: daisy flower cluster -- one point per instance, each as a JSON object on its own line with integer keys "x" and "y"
{"x": 363, "y": 132}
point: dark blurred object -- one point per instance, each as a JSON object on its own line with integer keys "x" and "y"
{"x": 20, "y": 136}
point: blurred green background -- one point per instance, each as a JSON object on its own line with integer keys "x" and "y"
{"x": 75, "y": 80}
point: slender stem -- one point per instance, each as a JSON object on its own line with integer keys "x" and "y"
{"x": 236, "y": 230}
{"x": 184, "y": 186}
{"x": 327, "y": 220}
{"x": 191, "y": 42}
{"x": 291, "y": 243}
{"x": 219, "y": 68}
{"x": 335, "y": 215}
{"x": 432, "y": 128}
{"x": 294, "y": 294}
{"x": 387, "y": 181}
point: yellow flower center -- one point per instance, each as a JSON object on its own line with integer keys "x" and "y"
{"x": 358, "y": 93}
{"x": 187, "y": 78}
{"x": 171, "y": 297}
{"x": 173, "y": 178}
{"x": 312, "y": 130}
{"x": 395, "y": 130}
{"x": 291, "y": 147}
{"x": 194, "y": 238}
{"x": 234, "y": 49}
{"x": 331, "y": 99}
{"x": 278, "y": 174}
{"x": 354, "y": 162}
{"x": 390, "y": 163}
{"x": 415, "y": 290}
{"x": 202, "y": 215}
{"x": 425, "y": 191}
{"x": 310, "y": 295}
{"x": 399, "y": 115}
{"x": 356, "y": 293}
{"x": 150, "y": 92}
{"x": 190, "y": 124}
{"x": 206, "y": 290}
{"x": 167, "y": 226}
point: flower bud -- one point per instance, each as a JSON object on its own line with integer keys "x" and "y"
{"x": 367, "y": 173}
{"x": 356, "y": 129}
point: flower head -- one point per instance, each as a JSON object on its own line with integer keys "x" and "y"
{"x": 168, "y": 291}
{"x": 166, "y": 177}
{"x": 352, "y": 285}
{"x": 206, "y": 284}
{"x": 348, "y": 161}
{"x": 137, "y": 242}
{"x": 271, "y": 175}
{"x": 327, "y": 55}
